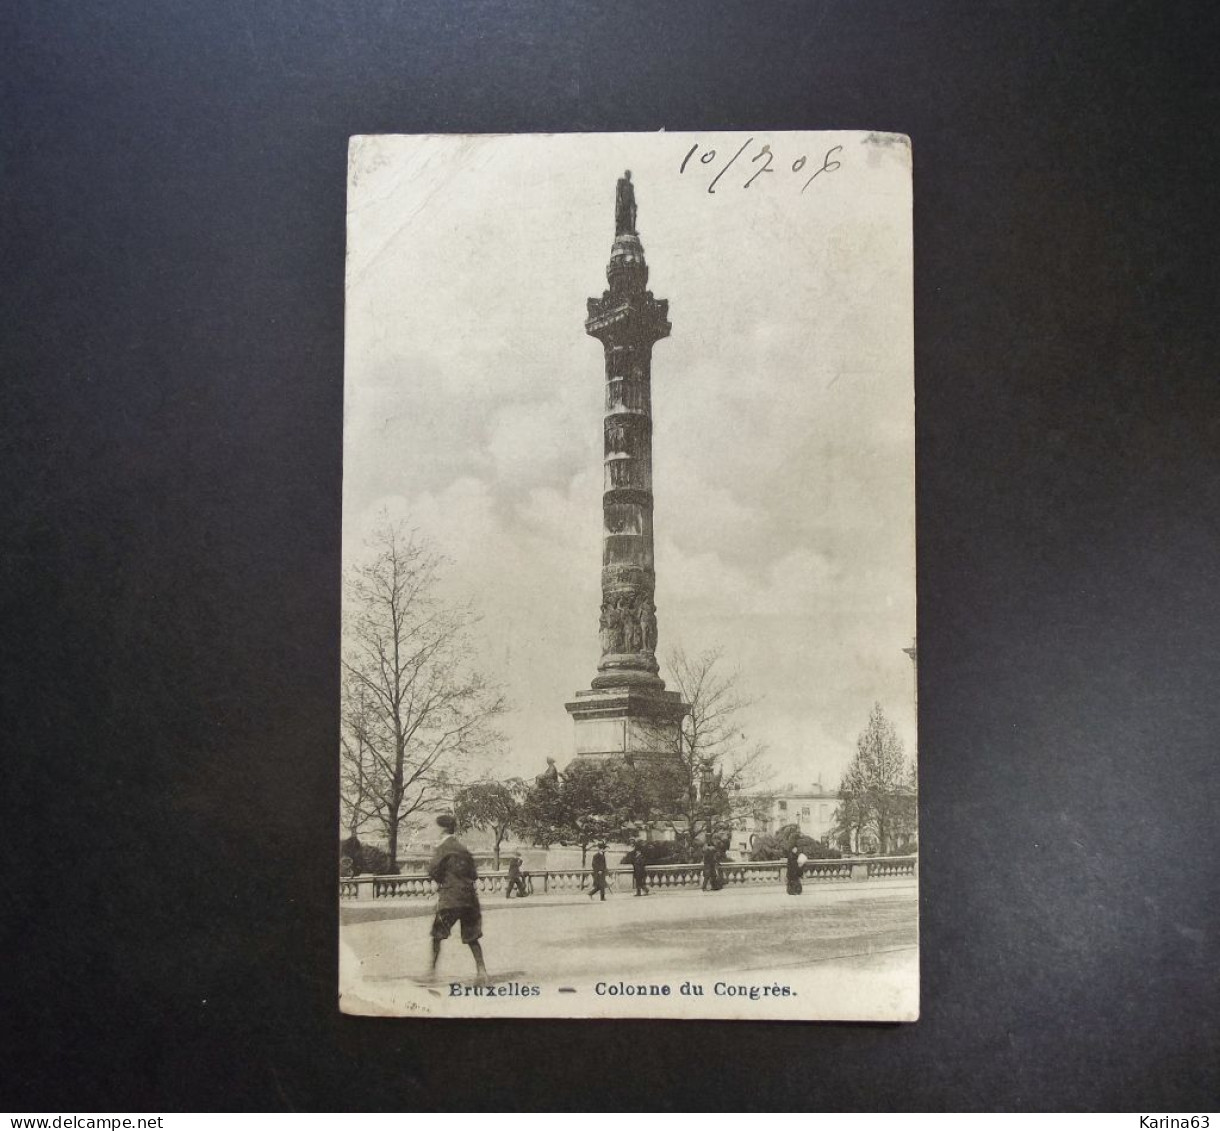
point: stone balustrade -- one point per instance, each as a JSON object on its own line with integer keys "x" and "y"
{"x": 660, "y": 876}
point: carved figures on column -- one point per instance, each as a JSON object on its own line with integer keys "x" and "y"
{"x": 628, "y": 623}
{"x": 648, "y": 626}
{"x": 623, "y": 473}
{"x": 616, "y": 437}
{"x": 607, "y": 626}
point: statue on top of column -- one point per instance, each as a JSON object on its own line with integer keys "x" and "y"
{"x": 624, "y": 206}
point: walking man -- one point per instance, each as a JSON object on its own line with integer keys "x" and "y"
{"x": 639, "y": 869}
{"x": 711, "y": 860}
{"x": 516, "y": 881}
{"x": 722, "y": 854}
{"x": 453, "y": 870}
{"x": 599, "y": 873}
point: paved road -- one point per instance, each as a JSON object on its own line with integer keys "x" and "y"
{"x": 832, "y": 937}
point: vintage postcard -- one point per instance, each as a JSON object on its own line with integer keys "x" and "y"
{"x": 628, "y": 658}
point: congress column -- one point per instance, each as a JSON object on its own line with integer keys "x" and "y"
{"x": 634, "y": 715}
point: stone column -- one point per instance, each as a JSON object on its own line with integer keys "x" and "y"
{"x": 627, "y": 320}
{"x": 628, "y": 711}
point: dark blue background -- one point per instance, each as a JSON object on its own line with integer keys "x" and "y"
{"x": 172, "y": 227}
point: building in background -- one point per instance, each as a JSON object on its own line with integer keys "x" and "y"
{"x": 811, "y": 808}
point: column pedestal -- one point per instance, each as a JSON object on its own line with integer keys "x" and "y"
{"x": 637, "y": 723}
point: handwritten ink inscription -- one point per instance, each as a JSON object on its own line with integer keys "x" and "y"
{"x": 798, "y": 167}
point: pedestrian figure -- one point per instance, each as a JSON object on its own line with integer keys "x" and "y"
{"x": 516, "y": 881}
{"x": 455, "y": 874}
{"x": 711, "y": 862}
{"x": 796, "y": 864}
{"x": 599, "y": 873}
{"x": 639, "y": 869}
{"x": 722, "y": 854}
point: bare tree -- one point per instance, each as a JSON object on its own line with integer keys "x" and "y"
{"x": 360, "y": 801}
{"x": 717, "y": 765}
{"x": 414, "y": 708}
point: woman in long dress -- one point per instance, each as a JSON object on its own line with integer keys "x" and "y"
{"x": 795, "y": 866}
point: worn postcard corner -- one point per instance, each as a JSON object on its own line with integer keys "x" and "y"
{"x": 628, "y": 656}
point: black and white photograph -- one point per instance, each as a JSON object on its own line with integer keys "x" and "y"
{"x": 629, "y": 659}
{"x": 603, "y": 557}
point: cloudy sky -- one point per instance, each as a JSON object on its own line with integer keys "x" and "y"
{"x": 782, "y": 405}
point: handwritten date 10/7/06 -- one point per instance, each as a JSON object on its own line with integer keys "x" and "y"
{"x": 801, "y": 165}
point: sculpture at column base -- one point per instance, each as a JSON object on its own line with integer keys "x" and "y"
{"x": 628, "y": 634}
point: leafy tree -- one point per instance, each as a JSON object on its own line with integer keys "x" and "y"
{"x": 491, "y": 805}
{"x": 853, "y": 818}
{"x": 590, "y": 803}
{"x": 878, "y": 794}
{"x": 414, "y": 710}
{"x": 647, "y": 793}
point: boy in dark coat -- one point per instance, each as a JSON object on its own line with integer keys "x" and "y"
{"x": 453, "y": 870}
